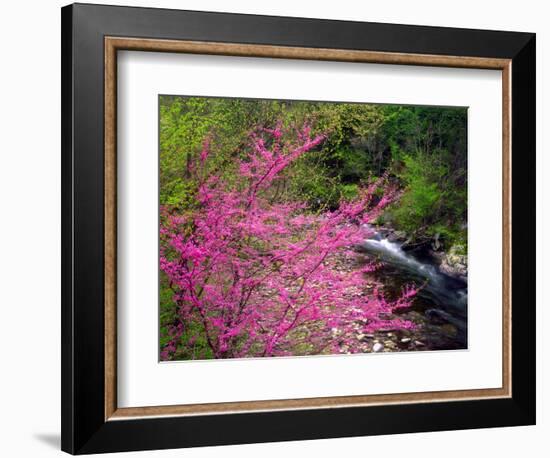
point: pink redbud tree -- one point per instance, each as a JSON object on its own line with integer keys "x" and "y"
{"x": 256, "y": 277}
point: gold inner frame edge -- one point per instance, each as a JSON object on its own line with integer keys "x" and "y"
{"x": 114, "y": 44}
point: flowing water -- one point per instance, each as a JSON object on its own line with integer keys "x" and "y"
{"x": 441, "y": 305}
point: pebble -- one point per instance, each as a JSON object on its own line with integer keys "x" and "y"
{"x": 377, "y": 347}
{"x": 405, "y": 340}
{"x": 449, "y": 329}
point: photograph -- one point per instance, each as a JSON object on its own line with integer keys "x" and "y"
{"x": 304, "y": 228}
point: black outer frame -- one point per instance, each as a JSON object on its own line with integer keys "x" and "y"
{"x": 84, "y": 429}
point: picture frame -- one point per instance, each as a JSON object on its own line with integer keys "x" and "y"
{"x": 92, "y": 35}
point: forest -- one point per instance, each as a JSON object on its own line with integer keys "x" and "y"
{"x": 293, "y": 228}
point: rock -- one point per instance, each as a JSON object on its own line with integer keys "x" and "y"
{"x": 416, "y": 317}
{"x": 449, "y": 329}
{"x": 401, "y": 235}
{"x": 405, "y": 340}
{"x": 396, "y": 236}
{"x": 402, "y": 333}
{"x": 377, "y": 347}
{"x": 436, "y": 316}
{"x": 436, "y": 244}
{"x": 455, "y": 262}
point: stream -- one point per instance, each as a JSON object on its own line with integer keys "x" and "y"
{"x": 440, "y": 307}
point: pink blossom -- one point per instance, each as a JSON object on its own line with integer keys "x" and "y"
{"x": 261, "y": 277}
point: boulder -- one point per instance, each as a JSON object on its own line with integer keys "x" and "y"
{"x": 455, "y": 262}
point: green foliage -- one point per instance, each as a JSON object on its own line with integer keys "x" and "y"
{"x": 345, "y": 158}
{"x": 432, "y": 204}
{"x": 422, "y": 149}
{"x": 193, "y": 332}
{"x": 428, "y": 155}
{"x": 422, "y": 195}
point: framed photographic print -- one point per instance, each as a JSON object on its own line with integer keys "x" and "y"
{"x": 281, "y": 228}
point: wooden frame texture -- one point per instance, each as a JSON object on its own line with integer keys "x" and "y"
{"x": 89, "y": 174}
{"x": 114, "y": 44}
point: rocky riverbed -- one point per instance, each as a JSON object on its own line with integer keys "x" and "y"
{"x": 429, "y": 335}
{"x": 439, "y": 310}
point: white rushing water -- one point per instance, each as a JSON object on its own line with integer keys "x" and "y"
{"x": 394, "y": 251}
{"x": 445, "y": 291}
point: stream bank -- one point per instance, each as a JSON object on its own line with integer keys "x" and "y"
{"x": 452, "y": 262}
{"x": 440, "y": 309}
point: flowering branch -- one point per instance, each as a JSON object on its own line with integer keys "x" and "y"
{"x": 258, "y": 275}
